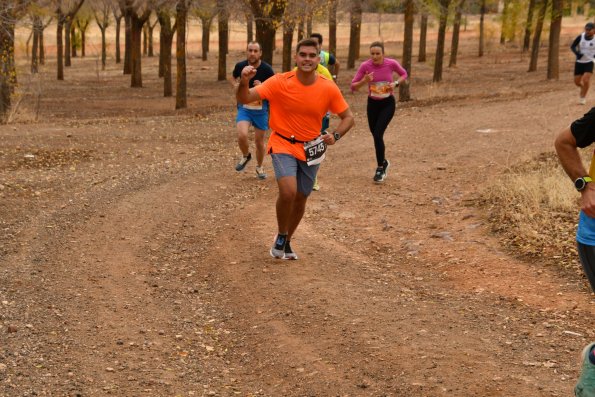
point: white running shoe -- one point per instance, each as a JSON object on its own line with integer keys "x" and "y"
{"x": 260, "y": 174}
{"x": 582, "y": 101}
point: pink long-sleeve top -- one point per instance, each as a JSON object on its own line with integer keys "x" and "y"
{"x": 380, "y": 87}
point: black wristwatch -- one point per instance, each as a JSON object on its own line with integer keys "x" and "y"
{"x": 581, "y": 183}
{"x": 336, "y": 135}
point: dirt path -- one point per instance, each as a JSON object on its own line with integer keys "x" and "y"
{"x": 134, "y": 260}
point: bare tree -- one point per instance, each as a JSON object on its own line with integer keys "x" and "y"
{"x": 529, "y": 25}
{"x": 537, "y": 35}
{"x": 205, "y": 10}
{"x": 553, "y": 62}
{"x": 332, "y": 26}
{"x": 65, "y": 11}
{"x": 267, "y": 16}
{"x": 223, "y": 22}
{"x": 355, "y": 28}
{"x": 118, "y": 15}
{"x": 166, "y": 35}
{"x": 444, "y": 5}
{"x": 101, "y": 12}
{"x": 404, "y": 94}
{"x": 138, "y": 14}
{"x": 454, "y": 47}
{"x": 10, "y": 12}
{"x": 83, "y": 20}
{"x": 423, "y": 31}
{"x": 482, "y": 13}
{"x": 181, "y": 18}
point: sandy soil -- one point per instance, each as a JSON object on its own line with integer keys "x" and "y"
{"x": 134, "y": 259}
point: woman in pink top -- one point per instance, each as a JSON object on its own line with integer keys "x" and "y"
{"x": 377, "y": 72}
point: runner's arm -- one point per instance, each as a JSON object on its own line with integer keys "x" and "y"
{"x": 574, "y": 47}
{"x": 347, "y": 121}
{"x": 570, "y": 159}
{"x": 244, "y": 94}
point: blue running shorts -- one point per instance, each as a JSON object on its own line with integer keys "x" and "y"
{"x": 258, "y": 118}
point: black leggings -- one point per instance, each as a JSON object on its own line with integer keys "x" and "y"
{"x": 586, "y": 253}
{"x": 380, "y": 113}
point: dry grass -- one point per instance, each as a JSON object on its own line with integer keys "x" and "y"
{"x": 534, "y": 208}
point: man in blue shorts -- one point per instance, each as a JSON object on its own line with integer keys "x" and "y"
{"x": 255, "y": 113}
{"x": 584, "y": 49}
{"x": 581, "y": 133}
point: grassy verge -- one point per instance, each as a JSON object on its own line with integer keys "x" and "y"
{"x": 534, "y": 208}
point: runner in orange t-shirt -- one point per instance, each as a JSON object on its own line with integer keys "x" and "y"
{"x": 298, "y": 100}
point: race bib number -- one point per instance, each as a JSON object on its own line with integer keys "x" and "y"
{"x": 315, "y": 151}
{"x": 256, "y": 105}
{"x": 381, "y": 89}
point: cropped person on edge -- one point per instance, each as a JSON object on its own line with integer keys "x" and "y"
{"x": 581, "y": 133}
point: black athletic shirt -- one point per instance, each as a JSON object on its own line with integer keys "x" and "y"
{"x": 583, "y": 129}
{"x": 263, "y": 72}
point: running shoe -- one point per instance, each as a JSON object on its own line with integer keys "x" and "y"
{"x": 386, "y": 164}
{"x": 316, "y": 187}
{"x": 379, "y": 175}
{"x": 582, "y": 101}
{"x": 289, "y": 254}
{"x": 278, "y": 248}
{"x": 242, "y": 164}
{"x": 585, "y": 387}
{"x": 260, "y": 174}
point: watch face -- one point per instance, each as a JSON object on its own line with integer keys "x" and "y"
{"x": 580, "y": 184}
{"x": 337, "y": 136}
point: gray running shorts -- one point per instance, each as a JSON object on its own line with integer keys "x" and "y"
{"x": 287, "y": 165}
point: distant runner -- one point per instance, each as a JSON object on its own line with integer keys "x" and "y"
{"x": 298, "y": 101}
{"x": 584, "y": 49}
{"x": 377, "y": 74}
{"x": 255, "y": 113}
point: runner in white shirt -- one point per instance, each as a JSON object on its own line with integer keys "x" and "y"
{"x": 584, "y": 49}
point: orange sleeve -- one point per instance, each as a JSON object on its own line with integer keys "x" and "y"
{"x": 338, "y": 103}
{"x": 268, "y": 88}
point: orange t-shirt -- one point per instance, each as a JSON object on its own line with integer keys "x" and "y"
{"x": 297, "y": 109}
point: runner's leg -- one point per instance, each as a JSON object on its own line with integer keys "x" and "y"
{"x": 586, "y": 254}
{"x": 242, "y": 127}
{"x": 382, "y": 113}
{"x": 586, "y": 82}
{"x": 578, "y": 80}
{"x": 297, "y": 212}
{"x": 260, "y": 146}
{"x": 285, "y": 202}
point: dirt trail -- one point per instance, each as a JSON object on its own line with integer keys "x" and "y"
{"x": 142, "y": 268}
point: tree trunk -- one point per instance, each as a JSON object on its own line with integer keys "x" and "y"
{"x": 60, "y": 45}
{"x": 537, "y": 35}
{"x": 37, "y": 26}
{"x": 83, "y": 42}
{"x": 67, "y": 49}
{"x": 288, "y": 28}
{"x": 505, "y": 22}
{"x": 454, "y": 48}
{"x": 553, "y": 61}
{"x": 136, "y": 29}
{"x": 181, "y": 17}
{"x": 166, "y": 36}
{"x": 206, "y": 35}
{"x": 249, "y": 27}
{"x": 332, "y": 27}
{"x": 409, "y": 6}
{"x": 6, "y": 56}
{"x": 118, "y": 26}
{"x": 127, "y": 42}
{"x": 482, "y": 13}
{"x": 145, "y": 39}
{"x": 73, "y": 40}
{"x": 223, "y": 22}
{"x": 308, "y": 21}
{"x": 423, "y": 32}
{"x": 103, "y": 47}
{"x": 267, "y": 18}
{"x": 41, "y": 48}
{"x": 441, "y": 38}
{"x": 529, "y": 25}
{"x": 151, "y": 48}
{"x": 354, "y": 33}
{"x": 301, "y": 29}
